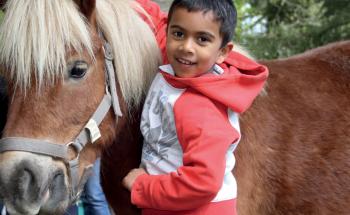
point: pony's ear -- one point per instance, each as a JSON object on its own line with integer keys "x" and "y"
{"x": 87, "y": 7}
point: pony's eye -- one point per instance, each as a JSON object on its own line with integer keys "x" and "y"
{"x": 78, "y": 70}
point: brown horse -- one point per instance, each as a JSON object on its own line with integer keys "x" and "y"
{"x": 294, "y": 157}
{"x": 60, "y": 73}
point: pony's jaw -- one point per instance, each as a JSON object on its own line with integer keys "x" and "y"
{"x": 40, "y": 183}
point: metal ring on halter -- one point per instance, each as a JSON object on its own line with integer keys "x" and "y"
{"x": 75, "y": 148}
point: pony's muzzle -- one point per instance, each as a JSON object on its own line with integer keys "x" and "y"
{"x": 37, "y": 186}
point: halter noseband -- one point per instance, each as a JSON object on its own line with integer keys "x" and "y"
{"x": 90, "y": 132}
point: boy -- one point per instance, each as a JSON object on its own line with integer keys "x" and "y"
{"x": 190, "y": 117}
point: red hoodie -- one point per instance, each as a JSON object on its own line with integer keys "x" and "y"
{"x": 191, "y": 128}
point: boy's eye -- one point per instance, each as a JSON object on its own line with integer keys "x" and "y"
{"x": 178, "y": 34}
{"x": 203, "y": 40}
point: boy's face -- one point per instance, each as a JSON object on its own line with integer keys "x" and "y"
{"x": 193, "y": 43}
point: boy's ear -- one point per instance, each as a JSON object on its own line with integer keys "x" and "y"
{"x": 224, "y": 51}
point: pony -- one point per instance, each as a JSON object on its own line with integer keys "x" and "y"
{"x": 293, "y": 157}
{"x": 76, "y": 73}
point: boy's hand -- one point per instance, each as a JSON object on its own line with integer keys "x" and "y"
{"x": 130, "y": 178}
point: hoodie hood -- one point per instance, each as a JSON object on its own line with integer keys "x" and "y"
{"x": 236, "y": 87}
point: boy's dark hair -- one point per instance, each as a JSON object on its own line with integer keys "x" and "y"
{"x": 224, "y": 12}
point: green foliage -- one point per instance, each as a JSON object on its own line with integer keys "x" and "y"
{"x": 280, "y": 28}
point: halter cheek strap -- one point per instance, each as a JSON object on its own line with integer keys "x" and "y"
{"x": 90, "y": 133}
{"x": 111, "y": 80}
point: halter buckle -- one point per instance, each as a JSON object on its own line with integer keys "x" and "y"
{"x": 93, "y": 130}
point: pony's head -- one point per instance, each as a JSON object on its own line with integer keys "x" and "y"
{"x": 53, "y": 55}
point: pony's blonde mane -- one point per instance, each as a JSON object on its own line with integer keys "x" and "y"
{"x": 136, "y": 52}
{"x": 36, "y": 36}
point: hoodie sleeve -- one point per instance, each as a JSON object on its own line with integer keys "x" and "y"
{"x": 157, "y": 20}
{"x": 205, "y": 135}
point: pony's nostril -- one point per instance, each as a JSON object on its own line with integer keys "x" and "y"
{"x": 57, "y": 186}
{"x": 57, "y": 179}
{"x": 26, "y": 181}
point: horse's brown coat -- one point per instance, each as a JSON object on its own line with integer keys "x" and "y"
{"x": 295, "y": 154}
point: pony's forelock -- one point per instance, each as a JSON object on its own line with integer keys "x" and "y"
{"x": 36, "y": 36}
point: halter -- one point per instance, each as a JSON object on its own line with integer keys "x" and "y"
{"x": 90, "y": 132}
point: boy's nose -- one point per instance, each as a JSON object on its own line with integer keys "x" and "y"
{"x": 187, "y": 46}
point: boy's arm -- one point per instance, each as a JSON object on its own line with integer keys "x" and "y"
{"x": 158, "y": 22}
{"x": 205, "y": 135}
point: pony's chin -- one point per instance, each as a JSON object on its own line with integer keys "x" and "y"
{"x": 48, "y": 206}
{"x": 36, "y": 210}
{"x": 54, "y": 207}
{"x": 32, "y": 210}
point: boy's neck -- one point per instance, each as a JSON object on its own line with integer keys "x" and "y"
{"x": 215, "y": 69}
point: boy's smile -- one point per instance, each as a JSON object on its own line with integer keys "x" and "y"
{"x": 194, "y": 43}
